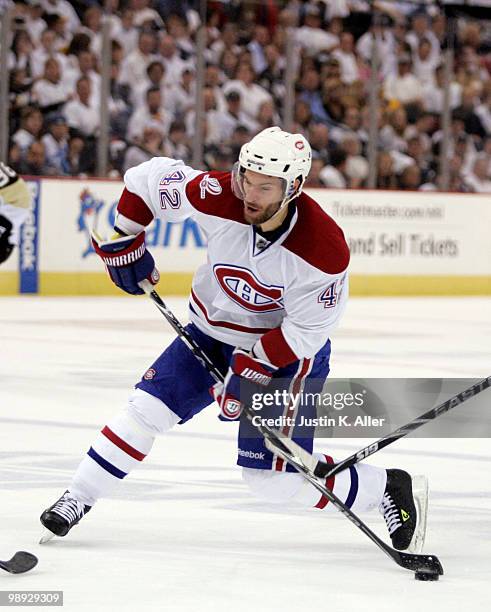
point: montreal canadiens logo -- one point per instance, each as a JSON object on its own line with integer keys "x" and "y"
{"x": 149, "y": 374}
{"x": 241, "y": 286}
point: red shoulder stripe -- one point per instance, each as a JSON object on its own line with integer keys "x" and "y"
{"x": 133, "y": 207}
{"x": 211, "y": 193}
{"x": 317, "y": 238}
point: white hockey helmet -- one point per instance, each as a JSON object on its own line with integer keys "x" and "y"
{"x": 274, "y": 152}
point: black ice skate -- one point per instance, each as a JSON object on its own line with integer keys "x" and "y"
{"x": 404, "y": 508}
{"x": 62, "y": 516}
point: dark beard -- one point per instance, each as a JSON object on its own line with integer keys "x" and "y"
{"x": 266, "y": 216}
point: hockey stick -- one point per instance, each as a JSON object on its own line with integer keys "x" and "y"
{"x": 21, "y": 562}
{"x": 324, "y": 470}
{"x": 428, "y": 564}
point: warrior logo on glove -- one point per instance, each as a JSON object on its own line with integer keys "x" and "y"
{"x": 127, "y": 261}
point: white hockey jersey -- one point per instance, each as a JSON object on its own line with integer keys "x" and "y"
{"x": 15, "y": 200}
{"x": 288, "y": 294}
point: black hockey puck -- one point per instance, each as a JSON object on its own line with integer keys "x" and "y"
{"x": 426, "y": 576}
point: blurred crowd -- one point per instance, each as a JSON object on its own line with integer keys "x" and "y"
{"x": 55, "y": 84}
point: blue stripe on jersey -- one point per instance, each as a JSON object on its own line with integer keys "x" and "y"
{"x": 353, "y": 488}
{"x": 105, "y": 464}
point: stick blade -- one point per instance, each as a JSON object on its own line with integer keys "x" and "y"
{"x": 21, "y": 562}
{"x": 417, "y": 563}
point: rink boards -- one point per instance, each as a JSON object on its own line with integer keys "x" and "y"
{"x": 402, "y": 243}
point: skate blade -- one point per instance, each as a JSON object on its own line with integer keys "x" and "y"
{"x": 420, "y": 494}
{"x": 46, "y": 536}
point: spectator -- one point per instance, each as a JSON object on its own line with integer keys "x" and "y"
{"x": 313, "y": 180}
{"x": 120, "y": 107}
{"x": 318, "y": 138}
{"x": 214, "y": 79}
{"x": 267, "y": 116}
{"x": 35, "y": 163}
{"x": 155, "y": 78}
{"x": 416, "y": 151}
{"x": 144, "y": 148}
{"x": 311, "y": 37}
{"x": 173, "y": 63}
{"x": 433, "y": 94}
{"x": 226, "y": 44}
{"x": 334, "y": 174}
{"x": 251, "y": 94}
{"x": 272, "y": 77}
{"x": 182, "y": 95}
{"x": 386, "y": 178}
{"x": 240, "y": 136}
{"x": 356, "y": 164}
{"x": 311, "y": 94}
{"x": 386, "y": 44}
{"x": 177, "y": 27}
{"x": 257, "y": 48}
{"x": 92, "y": 20}
{"x": 81, "y": 114}
{"x": 350, "y": 124}
{"x": 30, "y": 130}
{"x": 51, "y": 91}
{"x": 403, "y": 86}
{"x": 410, "y": 178}
{"x": 125, "y": 32}
{"x": 333, "y": 93}
{"x": 35, "y": 24}
{"x": 154, "y": 114}
{"x": 21, "y": 53}
{"x": 44, "y": 51}
{"x": 347, "y": 58}
{"x": 302, "y": 115}
{"x": 479, "y": 178}
{"x": 472, "y": 123}
{"x": 483, "y": 112}
{"x": 55, "y": 143}
{"x": 392, "y": 135}
{"x": 420, "y": 31}
{"x": 176, "y": 144}
{"x": 134, "y": 68}
{"x": 232, "y": 117}
{"x": 63, "y": 9}
{"x": 425, "y": 61}
{"x": 75, "y": 163}
{"x": 20, "y": 93}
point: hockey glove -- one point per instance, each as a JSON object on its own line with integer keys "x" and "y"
{"x": 127, "y": 261}
{"x": 244, "y": 368}
{"x": 5, "y": 230}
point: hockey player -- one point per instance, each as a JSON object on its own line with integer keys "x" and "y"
{"x": 263, "y": 307}
{"x": 15, "y": 201}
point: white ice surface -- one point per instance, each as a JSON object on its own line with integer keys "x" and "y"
{"x": 182, "y": 533}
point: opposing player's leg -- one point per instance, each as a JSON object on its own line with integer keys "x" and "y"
{"x": 171, "y": 391}
{"x": 362, "y": 487}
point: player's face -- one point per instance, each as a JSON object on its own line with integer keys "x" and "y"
{"x": 263, "y": 196}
